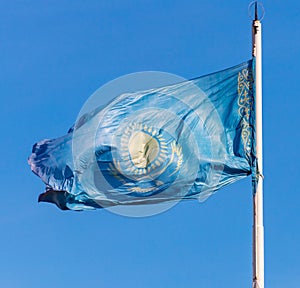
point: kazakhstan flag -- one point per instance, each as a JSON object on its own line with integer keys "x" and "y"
{"x": 182, "y": 141}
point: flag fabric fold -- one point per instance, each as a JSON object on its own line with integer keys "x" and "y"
{"x": 183, "y": 141}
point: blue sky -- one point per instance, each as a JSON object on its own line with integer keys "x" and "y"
{"x": 54, "y": 55}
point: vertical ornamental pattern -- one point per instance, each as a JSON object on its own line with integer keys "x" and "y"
{"x": 245, "y": 102}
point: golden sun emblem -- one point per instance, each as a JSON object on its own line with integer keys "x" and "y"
{"x": 143, "y": 149}
{"x": 145, "y": 160}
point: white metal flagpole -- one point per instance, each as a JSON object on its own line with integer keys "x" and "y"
{"x": 258, "y": 228}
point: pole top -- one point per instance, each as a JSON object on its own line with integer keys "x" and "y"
{"x": 256, "y": 15}
{"x": 256, "y": 11}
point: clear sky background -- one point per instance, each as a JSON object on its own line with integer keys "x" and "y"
{"x": 54, "y": 55}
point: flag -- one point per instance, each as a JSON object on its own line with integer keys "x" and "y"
{"x": 182, "y": 141}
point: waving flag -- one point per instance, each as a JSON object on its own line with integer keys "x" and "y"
{"x": 182, "y": 141}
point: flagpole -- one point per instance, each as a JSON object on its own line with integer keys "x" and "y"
{"x": 258, "y": 228}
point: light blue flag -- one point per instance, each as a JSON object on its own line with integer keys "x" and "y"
{"x": 182, "y": 141}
